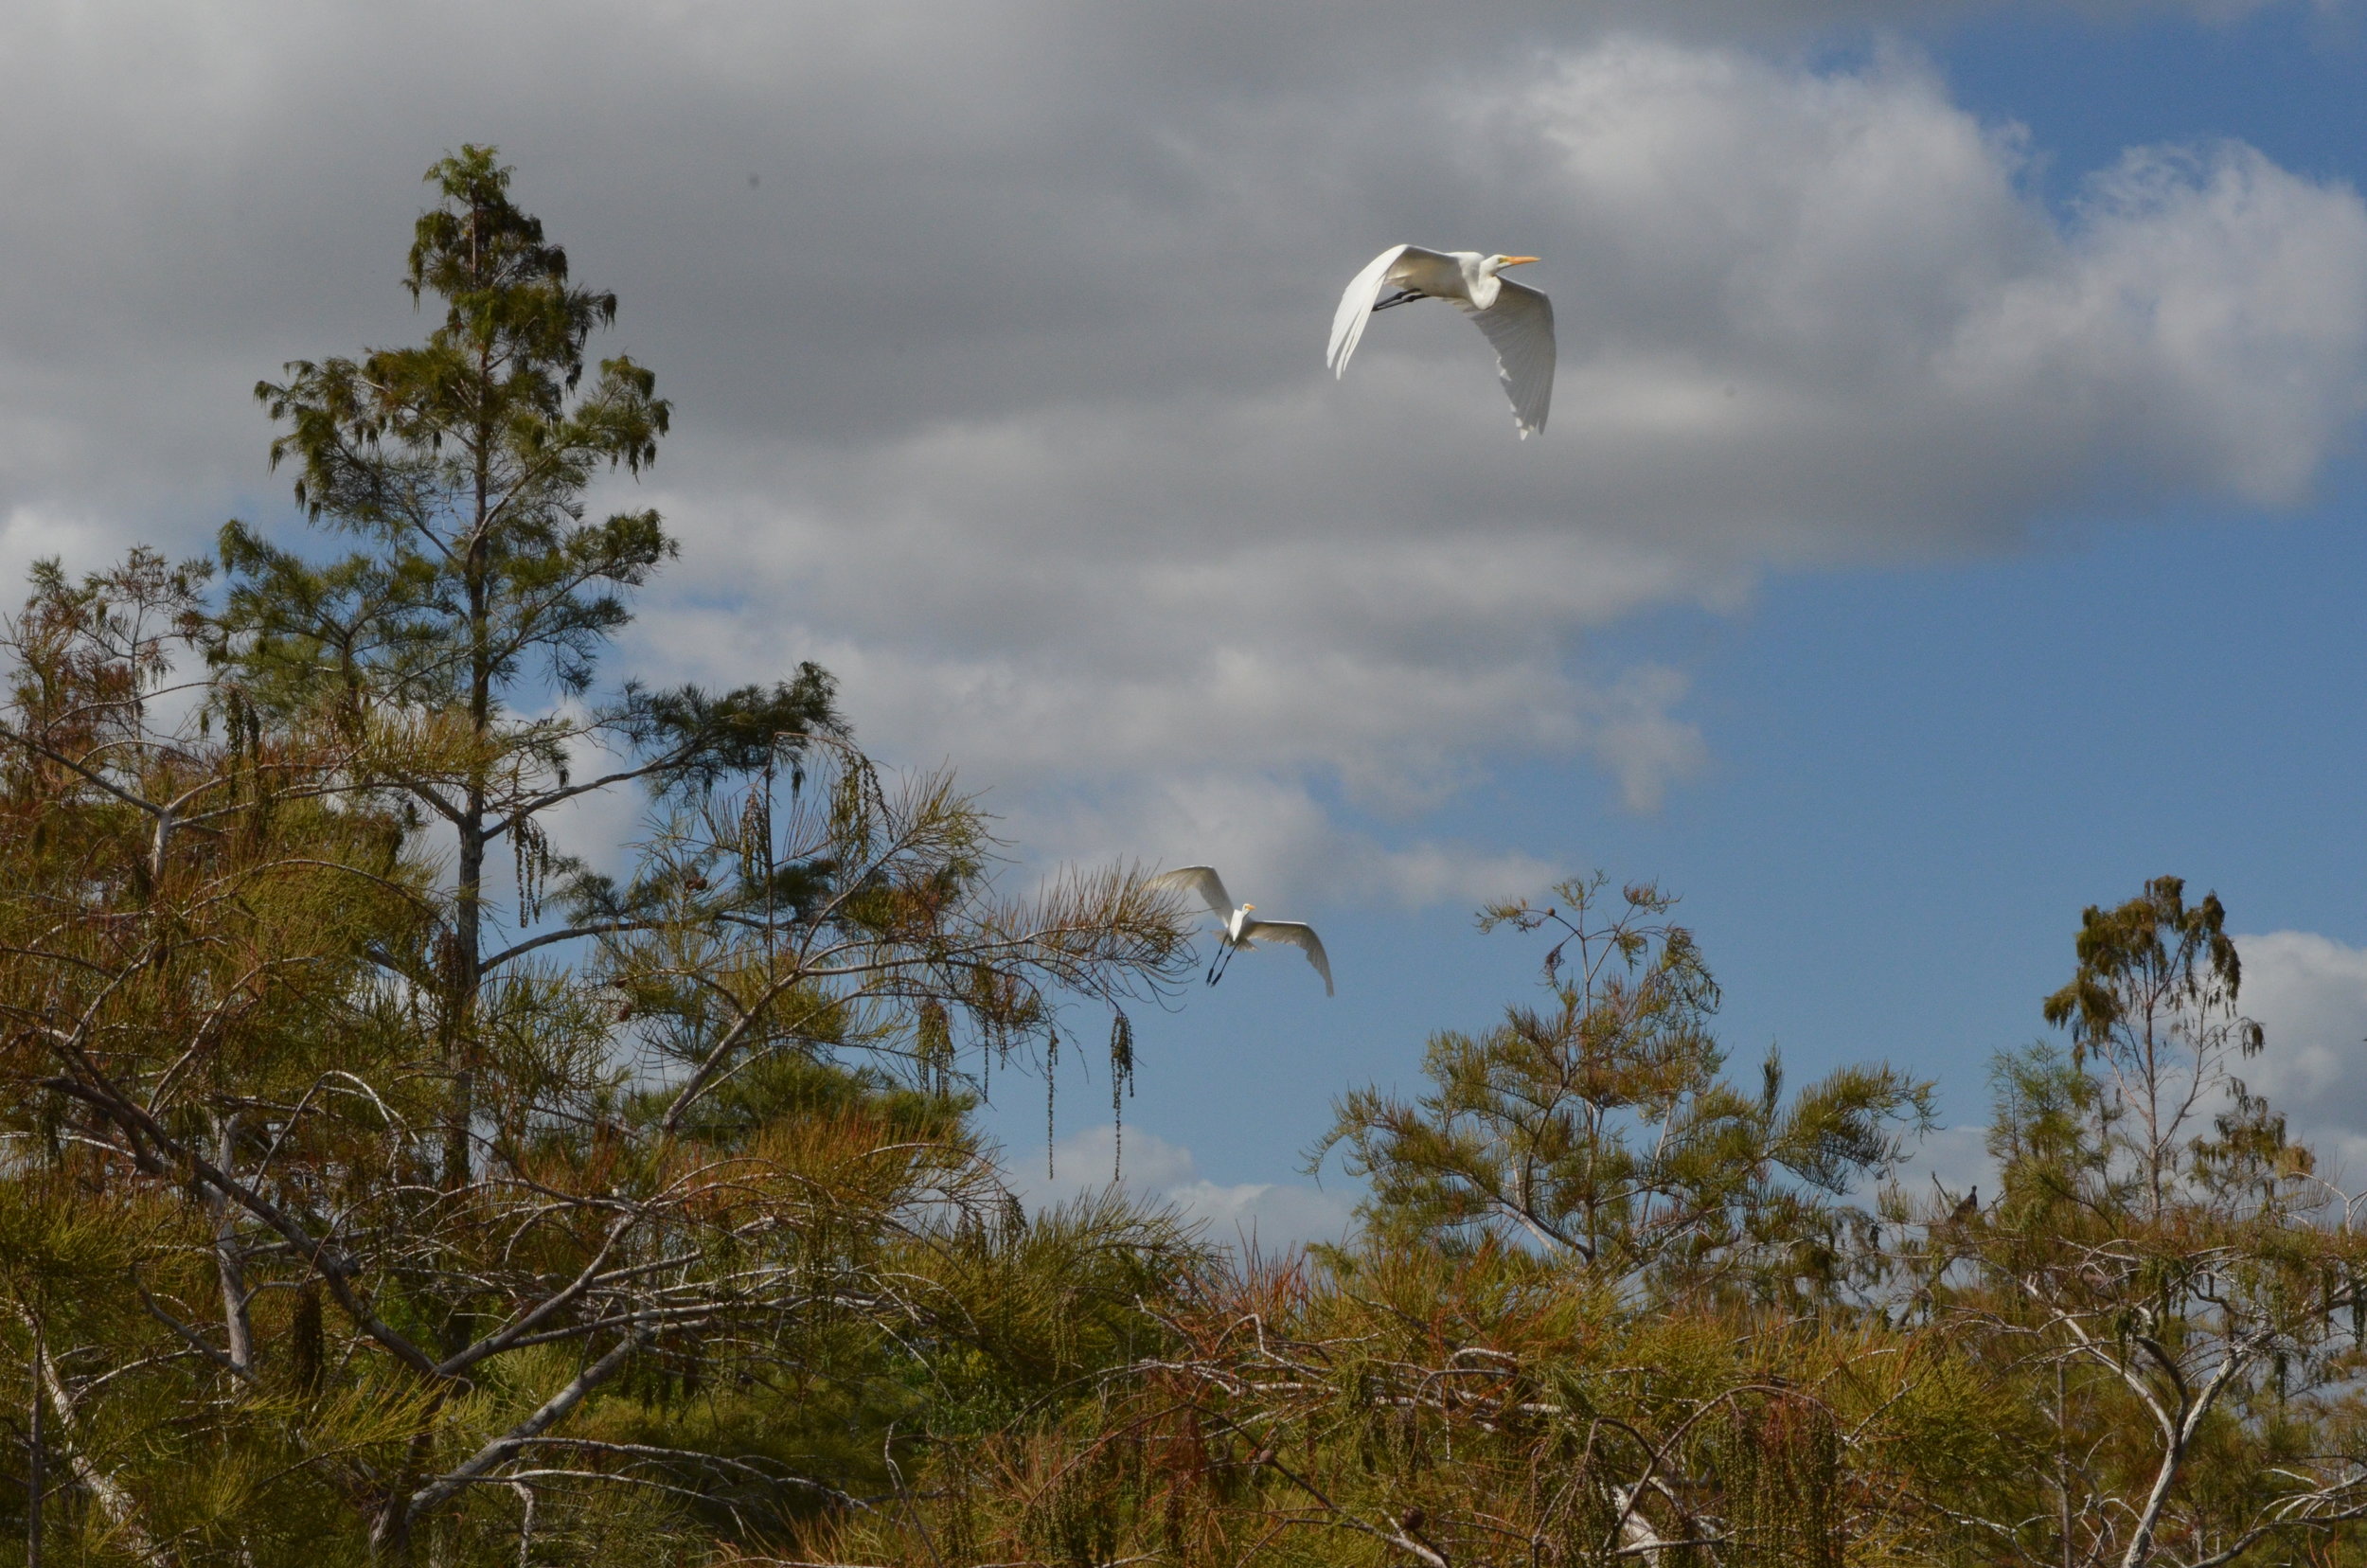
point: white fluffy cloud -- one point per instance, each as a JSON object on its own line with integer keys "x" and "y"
{"x": 1806, "y": 317}
{"x": 2309, "y": 993}
{"x": 1269, "y": 1215}
{"x": 993, "y": 332}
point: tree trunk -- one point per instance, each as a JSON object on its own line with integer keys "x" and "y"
{"x": 464, "y": 977}
{"x": 35, "y": 1441}
{"x": 229, "y": 1259}
{"x": 114, "y": 1502}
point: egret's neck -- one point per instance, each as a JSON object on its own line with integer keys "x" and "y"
{"x": 1481, "y": 282}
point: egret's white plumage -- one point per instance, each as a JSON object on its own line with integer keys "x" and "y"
{"x": 1241, "y": 928}
{"x": 1519, "y": 321}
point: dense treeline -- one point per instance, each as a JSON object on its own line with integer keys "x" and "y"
{"x": 381, "y": 1183}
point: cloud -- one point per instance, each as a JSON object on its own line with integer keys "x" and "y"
{"x": 993, "y": 333}
{"x": 2310, "y": 994}
{"x": 1951, "y": 1159}
{"x": 1271, "y": 1214}
{"x": 1808, "y": 316}
{"x": 1272, "y": 830}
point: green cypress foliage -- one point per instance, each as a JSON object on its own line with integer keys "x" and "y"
{"x": 479, "y": 585}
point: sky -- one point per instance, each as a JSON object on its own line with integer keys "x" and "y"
{"x": 1948, "y": 518}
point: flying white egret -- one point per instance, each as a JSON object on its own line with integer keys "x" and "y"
{"x": 1241, "y": 928}
{"x": 1517, "y": 319}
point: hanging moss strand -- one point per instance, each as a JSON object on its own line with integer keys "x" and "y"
{"x": 1051, "y": 1094}
{"x": 1121, "y": 1085}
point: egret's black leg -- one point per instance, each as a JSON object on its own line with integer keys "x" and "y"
{"x": 1403, "y": 297}
{"x": 1224, "y": 961}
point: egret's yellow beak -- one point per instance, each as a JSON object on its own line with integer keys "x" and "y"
{"x": 1521, "y": 260}
{"x": 1249, "y": 907}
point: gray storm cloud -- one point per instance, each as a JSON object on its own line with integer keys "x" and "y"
{"x": 994, "y": 333}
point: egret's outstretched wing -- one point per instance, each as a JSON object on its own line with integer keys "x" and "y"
{"x": 1201, "y": 879}
{"x": 1356, "y": 307}
{"x": 1299, "y": 934}
{"x": 1429, "y": 272}
{"x": 1520, "y": 325}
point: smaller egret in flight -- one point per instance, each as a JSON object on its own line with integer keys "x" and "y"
{"x": 1517, "y": 318}
{"x": 1241, "y": 928}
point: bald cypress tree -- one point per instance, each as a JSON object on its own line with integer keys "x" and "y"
{"x": 351, "y": 1210}
{"x": 480, "y": 591}
{"x": 1602, "y": 1131}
